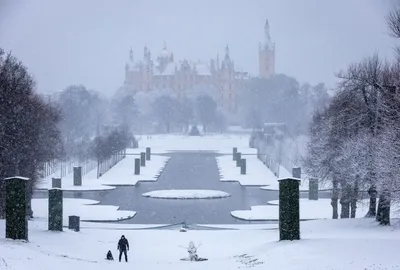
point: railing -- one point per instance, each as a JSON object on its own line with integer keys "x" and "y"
{"x": 106, "y": 164}
{"x": 66, "y": 167}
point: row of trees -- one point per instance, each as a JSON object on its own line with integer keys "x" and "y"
{"x": 29, "y": 135}
{"x": 354, "y": 142}
{"x": 281, "y": 99}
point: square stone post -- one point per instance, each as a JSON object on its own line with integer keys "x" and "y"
{"x": 238, "y": 158}
{"x": 289, "y": 209}
{"x": 74, "y": 223}
{"x": 148, "y": 153}
{"x": 16, "y": 207}
{"x": 137, "y": 166}
{"x": 234, "y": 151}
{"x": 243, "y": 166}
{"x": 56, "y": 182}
{"x": 55, "y": 210}
{"x": 296, "y": 172}
{"x": 313, "y": 189}
{"x": 77, "y": 176}
{"x": 143, "y": 159}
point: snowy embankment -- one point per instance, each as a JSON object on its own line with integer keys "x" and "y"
{"x": 90, "y": 182}
{"x": 186, "y": 194}
{"x": 325, "y": 244}
{"x": 257, "y": 173}
{"x": 123, "y": 174}
{"x": 309, "y": 209}
{"x": 87, "y": 210}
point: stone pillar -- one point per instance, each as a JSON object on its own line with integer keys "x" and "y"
{"x": 296, "y": 172}
{"x": 74, "y": 223}
{"x": 243, "y": 166}
{"x": 148, "y": 153}
{"x": 55, "y": 210}
{"x": 137, "y": 166}
{"x": 56, "y": 182}
{"x": 289, "y": 209}
{"x": 16, "y": 207}
{"x": 234, "y": 151}
{"x": 238, "y": 158}
{"x": 143, "y": 159}
{"x": 77, "y": 176}
{"x": 313, "y": 189}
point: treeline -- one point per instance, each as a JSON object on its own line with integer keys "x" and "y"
{"x": 29, "y": 135}
{"x": 355, "y": 142}
{"x": 281, "y": 99}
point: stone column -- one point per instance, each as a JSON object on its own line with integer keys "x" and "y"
{"x": 143, "y": 159}
{"x": 234, "y": 151}
{"x": 77, "y": 176}
{"x": 55, "y": 210}
{"x": 137, "y": 166}
{"x": 16, "y": 207}
{"x": 56, "y": 182}
{"x": 289, "y": 209}
{"x": 296, "y": 172}
{"x": 243, "y": 166}
{"x": 238, "y": 158}
{"x": 313, "y": 189}
{"x": 148, "y": 153}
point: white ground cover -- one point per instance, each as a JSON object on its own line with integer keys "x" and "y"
{"x": 88, "y": 210}
{"x": 123, "y": 174}
{"x": 256, "y": 172}
{"x": 186, "y": 194}
{"x": 309, "y": 209}
{"x": 325, "y": 244}
{"x": 221, "y": 143}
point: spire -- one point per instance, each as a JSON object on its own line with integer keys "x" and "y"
{"x": 145, "y": 51}
{"x": 226, "y": 51}
{"x": 131, "y": 55}
{"x": 165, "y": 46}
{"x": 217, "y": 60}
{"x": 268, "y": 42}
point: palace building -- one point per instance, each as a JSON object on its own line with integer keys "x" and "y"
{"x": 165, "y": 72}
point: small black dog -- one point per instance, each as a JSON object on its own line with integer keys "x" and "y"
{"x": 109, "y": 256}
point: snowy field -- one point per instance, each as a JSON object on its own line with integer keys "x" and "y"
{"x": 88, "y": 210}
{"x": 186, "y": 194}
{"x": 221, "y": 143}
{"x": 309, "y": 209}
{"x": 327, "y": 244}
{"x": 257, "y": 173}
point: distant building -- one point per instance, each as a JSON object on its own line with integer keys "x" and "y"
{"x": 183, "y": 76}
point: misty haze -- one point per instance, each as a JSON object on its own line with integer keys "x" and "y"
{"x": 199, "y": 134}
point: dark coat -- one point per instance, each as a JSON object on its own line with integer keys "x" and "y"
{"x": 123, "y": 244}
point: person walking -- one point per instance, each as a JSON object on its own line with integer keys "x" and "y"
{"x": 123, "y": 247}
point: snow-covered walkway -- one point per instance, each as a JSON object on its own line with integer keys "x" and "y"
{"x": 330, "y": 244}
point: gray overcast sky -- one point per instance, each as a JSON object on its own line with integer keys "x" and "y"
{"x": 87, "y": 41}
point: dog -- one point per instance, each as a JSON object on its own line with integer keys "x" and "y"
{"x": 109, "y": 256}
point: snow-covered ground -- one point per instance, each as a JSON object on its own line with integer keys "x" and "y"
{"x": 256, "y": 172}
{"x": 186, "y": 194}
{"x": 309, "y": 209}
{"x": 123, "y": 174}
{"x": 90, "y": 182}
{"x": 326, "y": 244}
{"x": 221, "y": 143}
{"x": 88, "y": 210}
